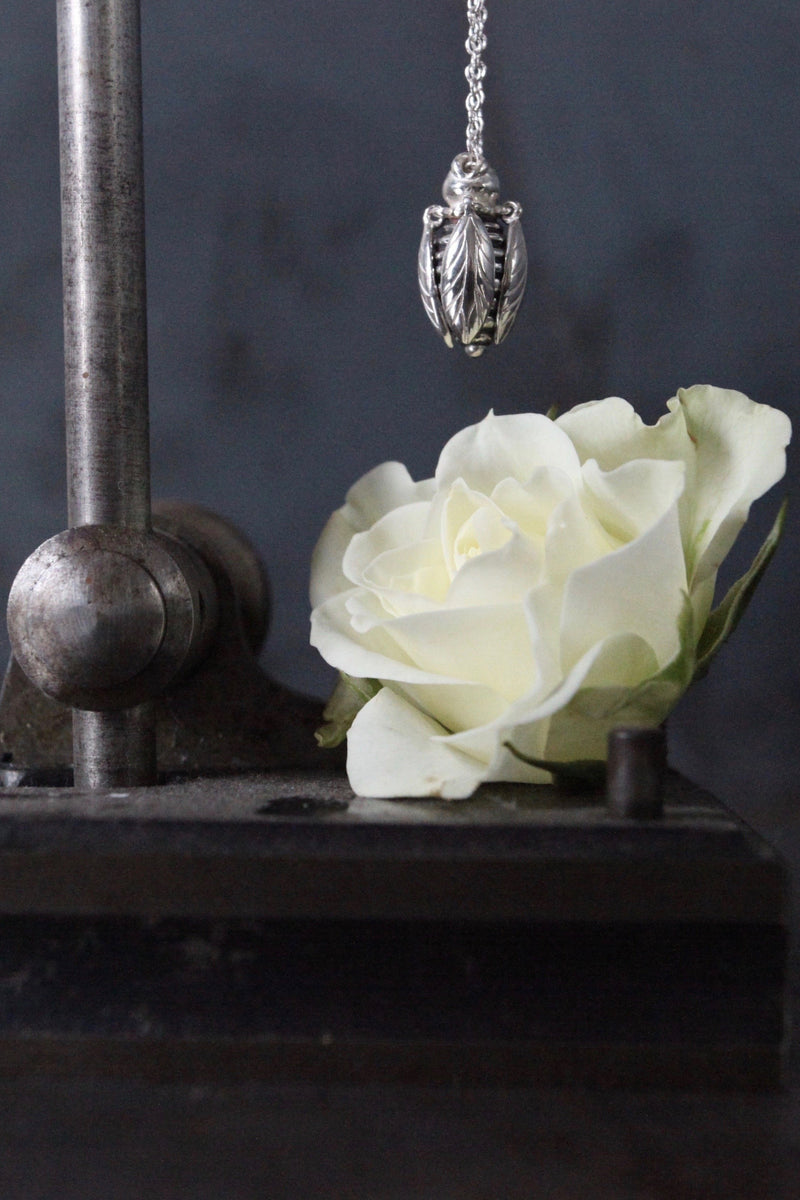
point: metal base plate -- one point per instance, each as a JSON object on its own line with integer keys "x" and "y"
{"x": 278, "y": 927}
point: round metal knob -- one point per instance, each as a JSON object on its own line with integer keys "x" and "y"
{"x": 101, "y": 617}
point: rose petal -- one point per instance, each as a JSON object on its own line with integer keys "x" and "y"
{"x": 456, "y": 706}
{"x": 525, "y": 723}
{"x": 631, "y": 498}
{"x": 380, "y": 491}
{"x": 504, "y": 447}
{"x": 471, "y": 524}
{"x": 487, "y": 645}
{"x": 613, "y": 433}
{"x": 369, "y": 653}
{"x": 409, "y": 578}
{"x": 503, "y": 576}
{"x": 530, "y": 505}
{"x": 542, "y": 608}
{"x": 574, "y": 537}
{"x": 395, "y": 750}
{"x": 738, "y": 454}
{"x": 483, "y": 532}
{"x": 376, "y": 493}
{"x": 458, "y": 532}
{"x": 609, "y": 430}
{"x": 638, "y": 589}
{"x": 733, "y": 449}
{"x": 404, "y": 526}
{"x": 327, "y": 577}
{"x": 373, "y": 654}
{"x": 580, "y": 728}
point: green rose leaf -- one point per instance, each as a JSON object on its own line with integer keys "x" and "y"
{"x": 727, "y": 615}
{"x": 348, "y": 697}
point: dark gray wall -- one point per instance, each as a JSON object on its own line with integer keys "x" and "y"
{"x": 291, "y": 149}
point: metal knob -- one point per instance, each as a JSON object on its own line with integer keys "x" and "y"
{"x": 105, "y": 618}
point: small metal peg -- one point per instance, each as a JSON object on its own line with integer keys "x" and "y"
{"x": 637, "y": 762}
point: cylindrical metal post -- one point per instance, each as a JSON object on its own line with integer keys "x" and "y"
{"x": 114, "y": 749}
{"x": 102, "y": 206}
{"x": 105, "y": 324}
{"x": 637, "y": 762}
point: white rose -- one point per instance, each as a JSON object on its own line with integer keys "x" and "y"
{"x": 553, "y": 580}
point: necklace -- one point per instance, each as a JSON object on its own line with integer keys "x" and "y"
{"x": 472, "y": 263}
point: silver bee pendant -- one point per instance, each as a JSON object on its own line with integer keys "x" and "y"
{"x": 472, "y": 259}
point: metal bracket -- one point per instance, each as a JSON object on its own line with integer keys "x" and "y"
{"x": 226, "y": 716}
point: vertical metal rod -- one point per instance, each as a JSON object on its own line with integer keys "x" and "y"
{"x": 105, "y": 323}
{"x": 102, "y": 207}
{"x": 114, "y": 749}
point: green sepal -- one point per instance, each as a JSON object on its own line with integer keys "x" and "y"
{"x": 553, "y": 411}
{"x": 348, "y": 698}
{"x": 726, "y": 616}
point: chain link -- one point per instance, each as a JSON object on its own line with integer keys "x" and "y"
{"x": 475, "y": 73}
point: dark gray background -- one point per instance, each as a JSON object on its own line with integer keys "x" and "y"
{"x": 290, "y": 151}
{"x": 291, "y": 148}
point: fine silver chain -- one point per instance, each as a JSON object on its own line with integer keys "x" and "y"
{"x": 475, "y": 73}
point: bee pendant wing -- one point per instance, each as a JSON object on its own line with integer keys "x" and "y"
{"x": 467, "y": 282}
{"x": 515, "y": 274}
{"x": 427, "y": 286}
